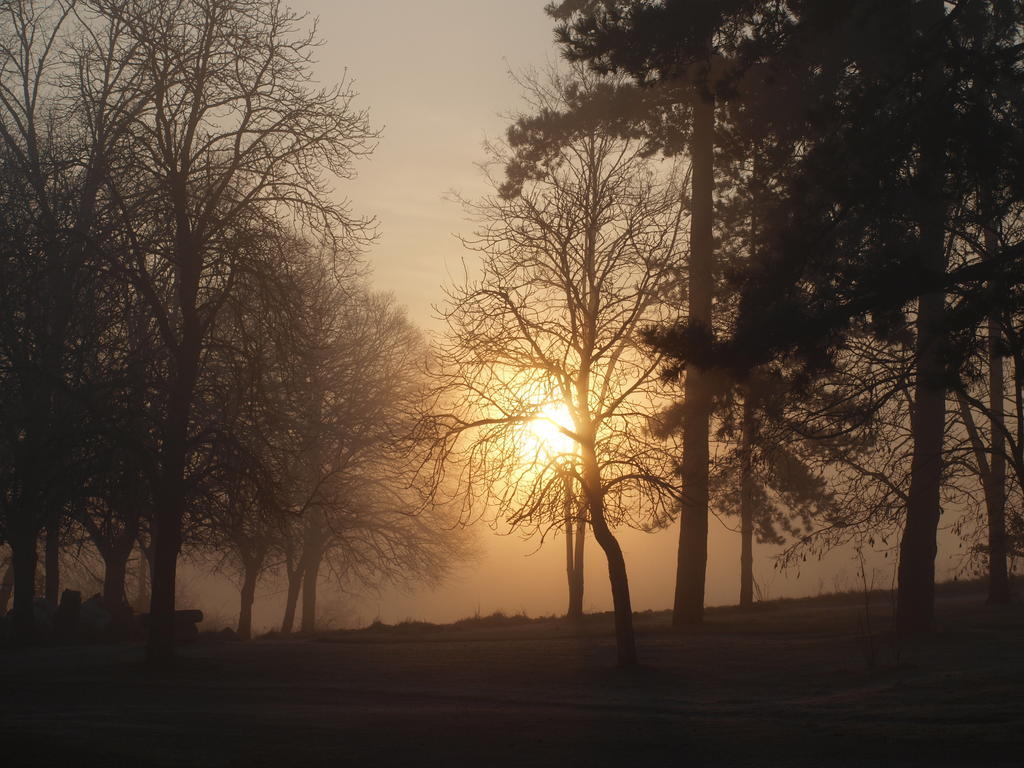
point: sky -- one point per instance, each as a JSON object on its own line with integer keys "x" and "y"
{"x": 435, "y": 78}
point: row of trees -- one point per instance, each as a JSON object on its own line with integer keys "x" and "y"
{"x": 759, "y": 256}
{"x": 189, "y": 353}
{"x": 833, "y": 281}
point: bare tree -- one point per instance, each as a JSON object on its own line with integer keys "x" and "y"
{"x": 541, "y": 376}
{"x": 52, "y": 160}
{"x": 763, "y": 471}
{"x": 232, "y": 140}
{"x": 360, "y": 511}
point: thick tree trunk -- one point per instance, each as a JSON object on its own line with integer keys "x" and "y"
{"x": 52, "y": 558}
{"x": 166, "y": 545}
{"x": 916, "y": 592}
{"x": 115, "y": 562}
{"x": 693, "y": 529}
{"x": 116, "y": 551}
{"x": 248, "y": 597}
{"x": 291, "y": 600}
{"x": 170, "y": 504}
{"x": 312, "y": 555}
{"x": 168, "y": 512}
{"x": 23, "y": 547}
{"x": 624, "y": 637}
{"x": 747, "y": 504}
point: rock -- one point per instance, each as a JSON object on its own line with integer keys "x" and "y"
{"x": 185, "y": 629}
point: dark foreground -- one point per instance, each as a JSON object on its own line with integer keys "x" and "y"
{"x": 790, "y": 684}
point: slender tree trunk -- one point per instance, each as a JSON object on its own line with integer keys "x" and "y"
{"x": 309, "y": 583}
{"x": 143, "y": 586}
{"x": 248, "y": 597}
{"x": 624, "y": 636}
{"x": 292, "y": 599}
{"x": 995, "y": 492}
{"x": 570, "y": 562}
{"x": 916, "y": 592}
{"x": 141, "y": 582}
{"x": 52, "y": 558}
{"x": 747, "y": 503}
{"x": 23, "y": 547}
{"x": 6, "y": 586}
{"x": 581, "y": 539}
{"x": 575, "y": 532}
{"x": 693, "y": 529}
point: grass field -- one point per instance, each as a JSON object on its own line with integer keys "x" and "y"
{"x": 790, "y": 683}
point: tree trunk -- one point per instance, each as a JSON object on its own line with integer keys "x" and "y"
{"x": 309, "y": 582}
{"x": 291, "y": 599}
{"x": 52, "y": 559}
{"x": 693, "y": 528}
{"x": 166, "y": 545}
{"x": 6, "y": 586}
{"x": 23, "y": 547}
{"x": 312, "y": 555}
{"x": 116, "y": 551}
{"x": 916, "y": 592}
{"x": 995, "y": 491}
{"x": 115, "y": 562}
{"x": 141, "y": 582}
{"x": 575, "y": 533}
{"x": 624, "y": 637}
{"x": 248, "y": 597}
{"x": 170, "y": 504}
{"x": 747, "y": 503}
{"x": 570, "y": 571}
{"x": 581, "y": 539}
{"x": 166, "y": 542}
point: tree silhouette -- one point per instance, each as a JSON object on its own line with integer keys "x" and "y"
{"x": 887, "y": 95}
{"x": 687, "y": 52}
{"x": 230, "y": 140}
{"x": 576, "y": 259}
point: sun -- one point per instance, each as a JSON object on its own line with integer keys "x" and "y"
{"x": 546, "y": 430}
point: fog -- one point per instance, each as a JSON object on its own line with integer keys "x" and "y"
{"x": 512, "y": 575}
{"x": 511, "y": 382}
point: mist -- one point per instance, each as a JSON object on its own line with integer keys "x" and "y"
{"x": 536, "y": 383}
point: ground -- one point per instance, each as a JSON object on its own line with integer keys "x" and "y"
{"x": 791, "y": 683}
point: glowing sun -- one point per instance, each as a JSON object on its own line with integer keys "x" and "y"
{"x": 546, "y": 430}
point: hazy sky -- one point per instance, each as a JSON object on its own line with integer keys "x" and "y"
{"x": 435, "y": 78}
